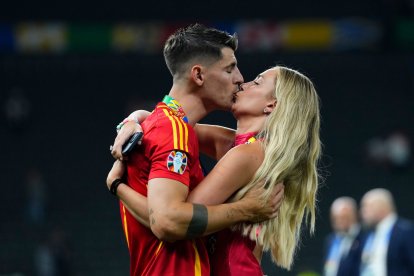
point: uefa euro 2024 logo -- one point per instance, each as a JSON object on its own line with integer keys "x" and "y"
{"x": 177, "y": 162}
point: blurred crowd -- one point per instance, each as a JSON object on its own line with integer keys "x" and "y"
{"x": 370, "y": 241}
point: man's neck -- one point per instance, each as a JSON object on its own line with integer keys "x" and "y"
{"x": 191, "y": 103}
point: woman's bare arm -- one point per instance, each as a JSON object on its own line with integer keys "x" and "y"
{"x": 215, "y": 141}
{"x": 231, "y": 173}
{"x": 129, "y": 127}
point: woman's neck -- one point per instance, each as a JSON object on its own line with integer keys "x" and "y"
{"x": 250, "y": 124}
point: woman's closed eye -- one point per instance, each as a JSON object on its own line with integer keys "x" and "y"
{"x": 257, "y": 80}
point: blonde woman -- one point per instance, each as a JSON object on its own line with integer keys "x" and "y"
{"x": 277, "y": 140}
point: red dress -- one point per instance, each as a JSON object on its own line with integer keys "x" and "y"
{"x": 230, "y": 252}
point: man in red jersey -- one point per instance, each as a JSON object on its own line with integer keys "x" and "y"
{"x": 166, "y": 167}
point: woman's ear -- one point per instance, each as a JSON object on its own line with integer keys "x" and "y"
{"x": 269, "y": 107}
{"x": 197, "y": 74}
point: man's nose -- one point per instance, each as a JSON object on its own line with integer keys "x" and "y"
{"x": 239, "y": 78}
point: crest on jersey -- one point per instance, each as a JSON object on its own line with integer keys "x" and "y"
{"x": 177, "y": 162}
{"x": 177, "y": 109}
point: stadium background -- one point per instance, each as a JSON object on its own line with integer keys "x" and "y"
{"x": 70, "y": 71}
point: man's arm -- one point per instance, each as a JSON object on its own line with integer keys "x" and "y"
{"x": 172, "y": 218}
{"x": 409, "y": 244}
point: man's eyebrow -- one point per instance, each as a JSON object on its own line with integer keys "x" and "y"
{"x": 232, "y": 65}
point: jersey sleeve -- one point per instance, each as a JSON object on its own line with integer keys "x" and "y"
{"x": 170, "y": 155}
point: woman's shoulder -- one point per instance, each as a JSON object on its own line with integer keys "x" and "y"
{"x": 250, "y": 148}
{"x": 250, "y": 155}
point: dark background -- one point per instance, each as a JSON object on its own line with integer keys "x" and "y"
{"x": 74, "y": 102}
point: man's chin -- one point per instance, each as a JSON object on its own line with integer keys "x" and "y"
{"x": 229, "y": 106}
{"x": 368, "y": 226}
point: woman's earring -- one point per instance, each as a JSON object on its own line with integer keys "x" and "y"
{"x": 266, "y": 111}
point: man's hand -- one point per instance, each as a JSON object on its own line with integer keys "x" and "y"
{"x": 259, "y": 210}
{"x": 127, "y": 130}
{"x": 117, "y": 171}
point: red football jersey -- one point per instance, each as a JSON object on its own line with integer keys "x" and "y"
{"x": 230, "y": 252}
{"x": 169, "y": 150}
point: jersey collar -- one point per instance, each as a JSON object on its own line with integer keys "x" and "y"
{"x": 175, "y": 107}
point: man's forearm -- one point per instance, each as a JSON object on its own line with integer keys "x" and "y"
{"x": 174, "y": 219}
{"x": 196, "y": 220}
{"x": 187, "y": 220}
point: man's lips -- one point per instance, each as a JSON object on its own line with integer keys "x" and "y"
{"x": 234, "y": 97}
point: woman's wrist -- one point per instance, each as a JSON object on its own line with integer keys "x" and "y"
{"x": 121, "y": 124}
{"x": 113, "y": 188}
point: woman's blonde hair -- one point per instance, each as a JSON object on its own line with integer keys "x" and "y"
{"x": 292, "y": 149}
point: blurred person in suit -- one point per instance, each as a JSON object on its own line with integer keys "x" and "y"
{"x": 389, "y": 246}
{"x": 343, "y": 245}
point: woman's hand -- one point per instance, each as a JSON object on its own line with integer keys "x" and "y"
{"x": 264, "y": 210}
{"x": 127, "y": 130}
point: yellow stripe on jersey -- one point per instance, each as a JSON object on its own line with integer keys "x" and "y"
{"x": 173, "y": 127}
{"x": 159, "y": 248}
{"x": 181, "y": 136}
{"x": 186, "y": 137}
{"x": 197, "y": 264}
{"x": 125, "y": 225}
{"x": 180, "y": 124}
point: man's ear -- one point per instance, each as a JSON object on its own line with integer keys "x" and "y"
{"x": 197, "y": 74}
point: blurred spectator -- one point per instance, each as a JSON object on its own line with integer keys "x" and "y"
{"x": 399, "y": 150}
{"x": 53, "y": 256}
{"x": 36, "y": 196}
{"x": 44, "y": 261}
{"x": 389, "y": 246}
{"x": 393, "y": 152}
{"x": 343, "y": 246}
{"x": 17, "y": 110}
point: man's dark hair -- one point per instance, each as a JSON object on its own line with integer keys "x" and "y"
{"x": 196, "y": 41}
